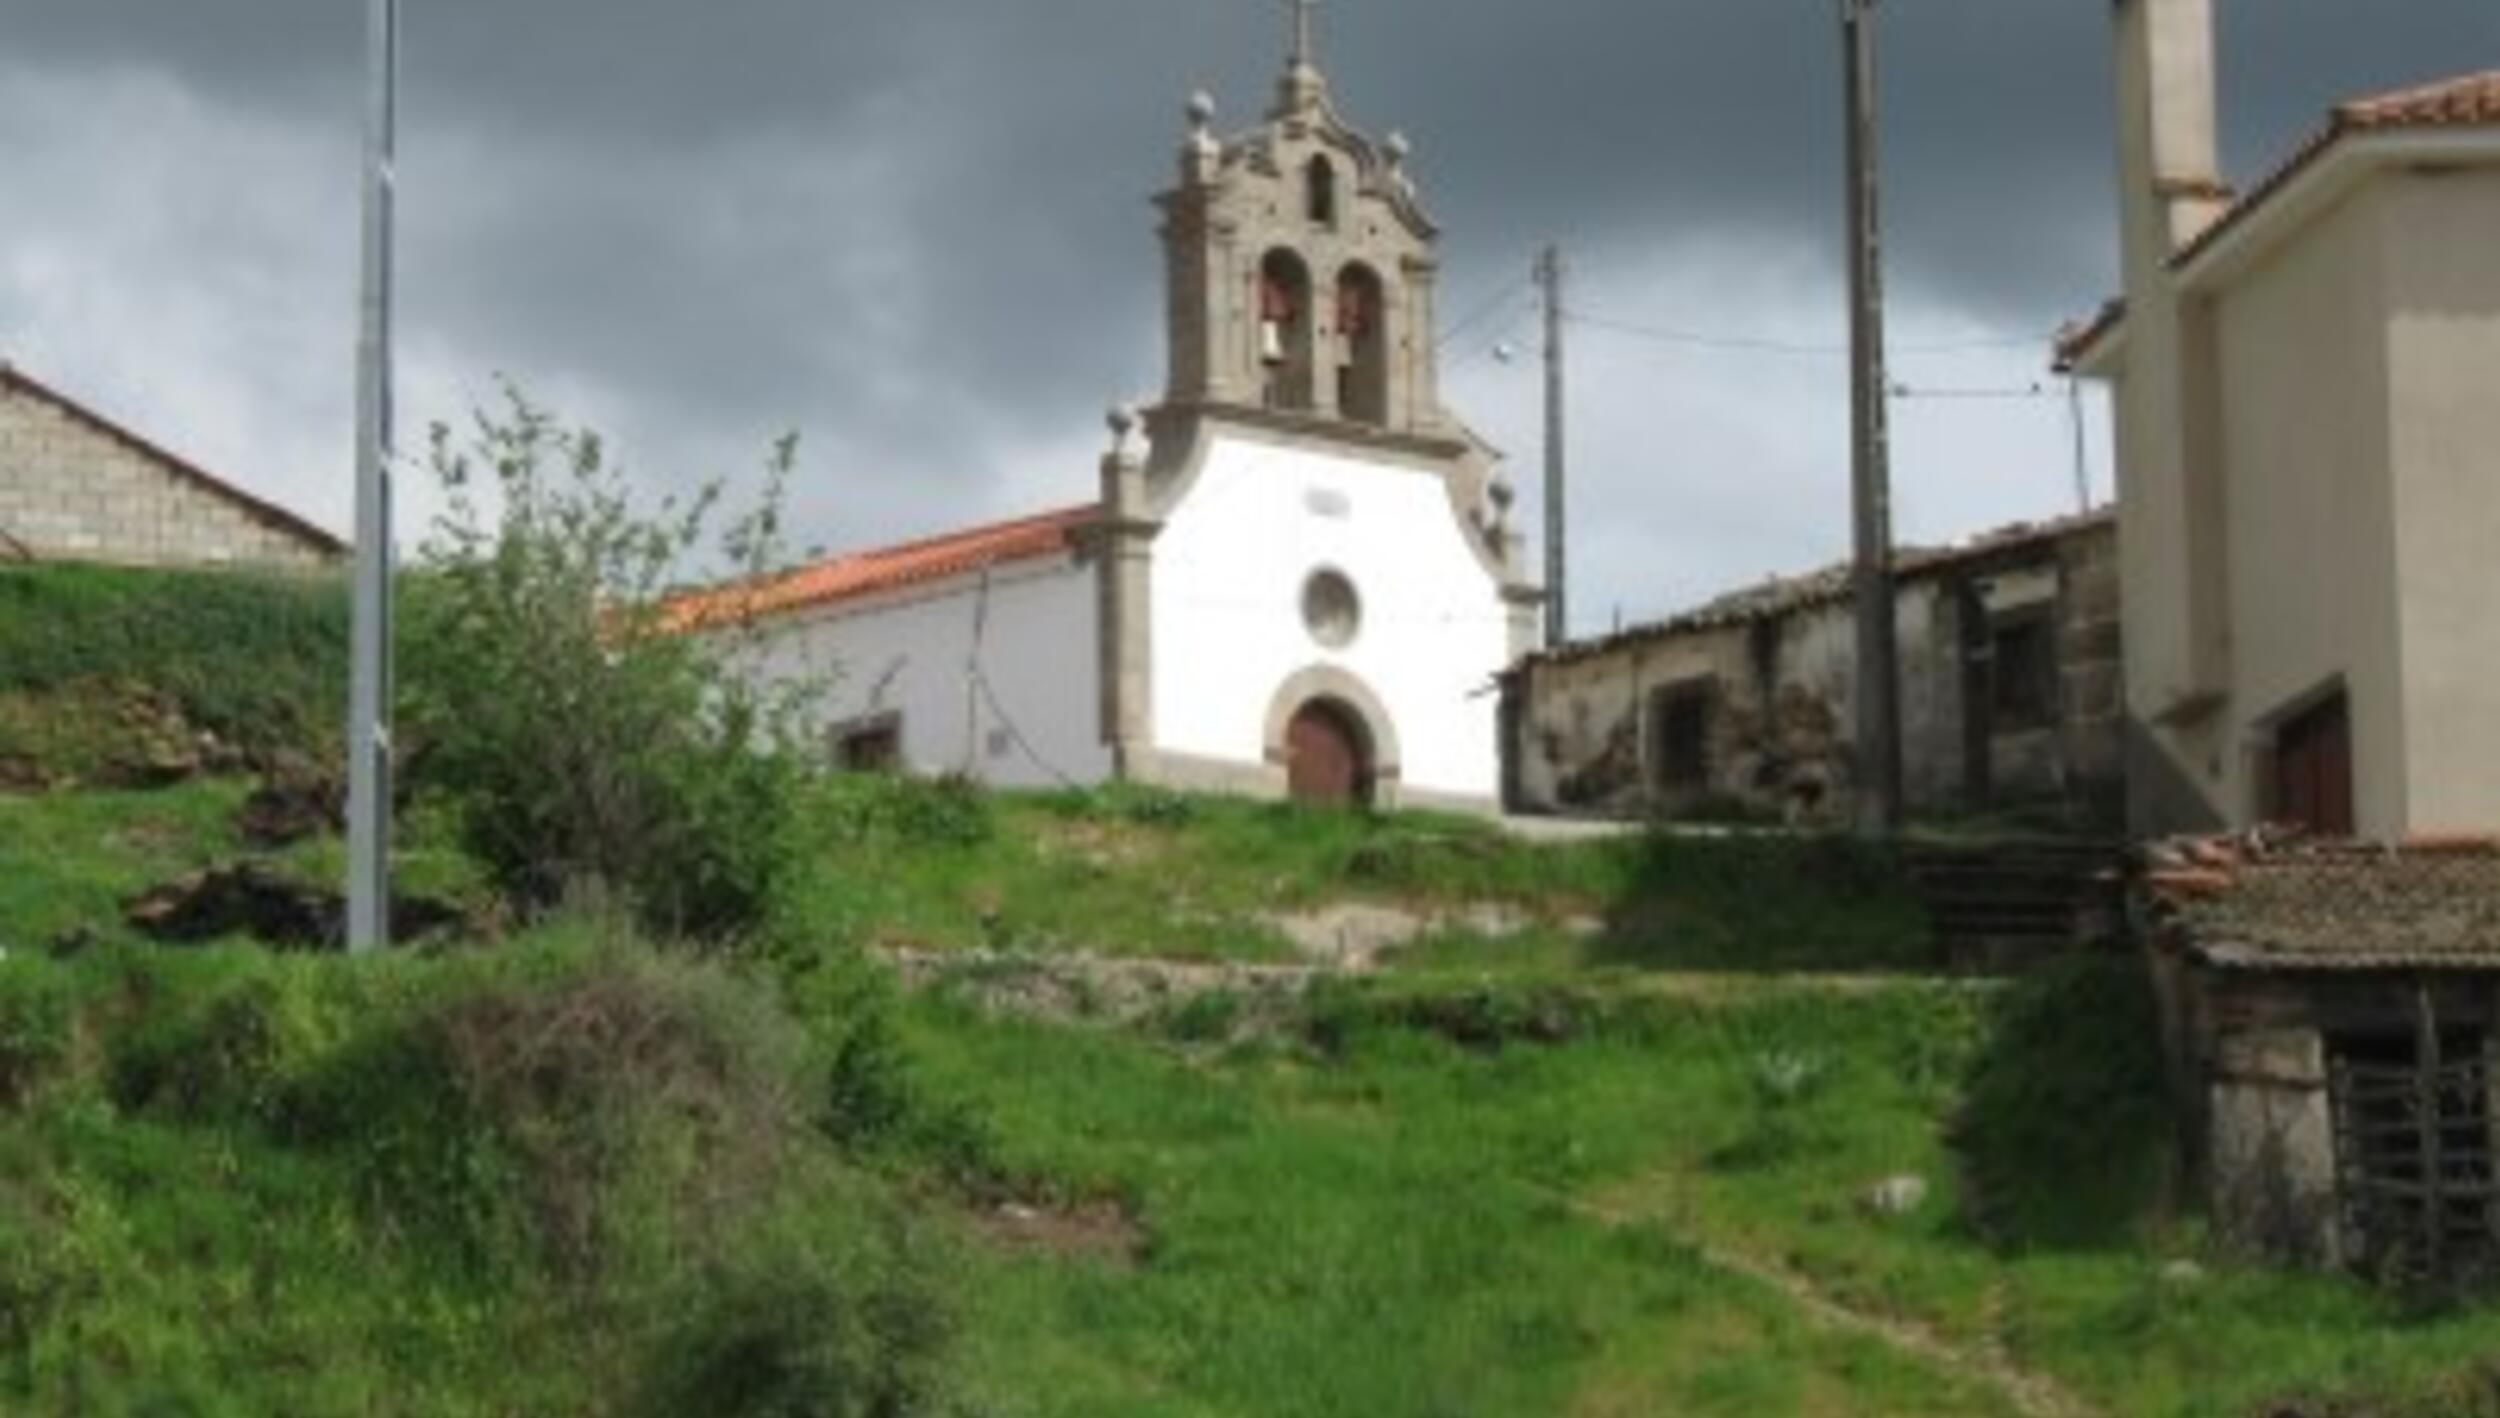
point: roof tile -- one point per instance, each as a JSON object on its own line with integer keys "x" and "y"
{"x": 854, "y": 575}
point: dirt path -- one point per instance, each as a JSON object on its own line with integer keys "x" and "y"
{"x": 2036, "y": 1395}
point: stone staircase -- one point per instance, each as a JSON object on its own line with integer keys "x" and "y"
{"x": 2004, "y": 906}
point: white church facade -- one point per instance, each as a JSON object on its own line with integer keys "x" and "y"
{"x": 1298, "y": 576}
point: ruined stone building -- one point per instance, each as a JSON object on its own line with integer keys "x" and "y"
{"x": 2009, "y": 688}
{"x": 1297, "y": 574}
{"x": 2330, "y": 1015}
{"x": 2309, "y": 491}
{"x": 77, "y": 486}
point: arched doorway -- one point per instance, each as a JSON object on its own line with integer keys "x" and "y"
{"x": 1327, "y": 759}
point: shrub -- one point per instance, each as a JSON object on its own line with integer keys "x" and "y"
{"x": 2065, "y": 1128}
{"x": 587, "y": 1108}
{"x": 843, "y": 1326}
{"x": 594, "y": 746}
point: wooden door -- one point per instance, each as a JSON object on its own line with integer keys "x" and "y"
{"x": 2313, "y": 769}
{"x": 1324, "y": 757}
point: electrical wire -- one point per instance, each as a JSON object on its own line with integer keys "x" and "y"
{"x": 1763, "y": 345}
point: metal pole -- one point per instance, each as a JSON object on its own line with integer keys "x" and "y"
{"x": 369, "y": 678}
{"x": 1549, "y": 276}
{"x": 1878, "y": 675}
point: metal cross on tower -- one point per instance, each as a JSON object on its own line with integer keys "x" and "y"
{"x": 1305, "y": 55}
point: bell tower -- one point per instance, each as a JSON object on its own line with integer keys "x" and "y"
{"x": 1299, "y": 466}
{"x": 1300, "y": 266}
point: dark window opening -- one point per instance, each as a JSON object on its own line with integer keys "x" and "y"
{"x": 2413, "y": 1155}
{"x": 2022, "y": 673}
{"x": 870, "y": 745}
{"x": 1320, "y": 192}
{"x": 1681, "y": 716}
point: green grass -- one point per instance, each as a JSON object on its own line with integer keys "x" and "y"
{"x": 1130, "y": 872}
{"x": 1408, "y": 1226}
{"x": 260, "y": 661}
{"x": 235, "y": 1183}
{"x": 1492, "y": 1180}
{"x": 74, "y": 859}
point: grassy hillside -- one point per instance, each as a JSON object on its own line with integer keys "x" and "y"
{"x": 1589, "y": 1128}
{"x": 106, "y": 672}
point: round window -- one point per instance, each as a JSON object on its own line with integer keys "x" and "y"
{"x": 1331, "y": 608}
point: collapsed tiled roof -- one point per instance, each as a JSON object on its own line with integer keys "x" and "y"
{"x": 857, "y": 574}
{"x": 2267, "y": 902}
{"x": 1784, "y": 595}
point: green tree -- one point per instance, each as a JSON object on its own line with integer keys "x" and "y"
{"x": 587, "y": 717}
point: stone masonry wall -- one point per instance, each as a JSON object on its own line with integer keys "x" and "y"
{"x": 72, "y": 491}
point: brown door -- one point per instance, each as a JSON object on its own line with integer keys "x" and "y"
{"x": 1324, "y": 757}
{"x": 2313, "y": 769}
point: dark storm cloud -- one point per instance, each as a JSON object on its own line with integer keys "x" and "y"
{"x": 923, "y": 226}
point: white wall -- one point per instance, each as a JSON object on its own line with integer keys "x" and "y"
{"x": 1229, "y": 568}
{"x": 907, "y": 650}
{"x": 2444, "y": 349}
{"x": 2303, "y": 376}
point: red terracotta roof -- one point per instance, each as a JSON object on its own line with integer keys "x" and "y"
{"x": 853, "y": 575}
{"x": 2469, "y": 101}
{"x": 13, "y": 378}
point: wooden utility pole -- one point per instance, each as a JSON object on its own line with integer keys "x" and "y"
{"x": 369, "y": 674}
{"x": 1549, "y": 279}
{"x": 1878, "y": 671}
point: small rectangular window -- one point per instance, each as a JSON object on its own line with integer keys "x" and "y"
{"x": 1681, "y": 716}
{"x": 873, "y": 745}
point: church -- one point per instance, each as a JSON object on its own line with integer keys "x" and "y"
{"x": 1298, "y": 575}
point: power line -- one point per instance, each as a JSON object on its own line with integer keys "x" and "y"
{"x": 2026, "y": 391}
{"x": 1765, "y": 345}
{"x": 1502, "y": 298}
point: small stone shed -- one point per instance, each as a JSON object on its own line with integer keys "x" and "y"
{"x": 77, "y": 486}
{"x": 2331, "y": 1022}
{"x": 2010, "y": 692}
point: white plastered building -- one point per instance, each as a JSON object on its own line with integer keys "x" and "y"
{"x": 1298, "y": 575}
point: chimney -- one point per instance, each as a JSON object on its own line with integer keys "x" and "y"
{"x": 2170, "y": 179}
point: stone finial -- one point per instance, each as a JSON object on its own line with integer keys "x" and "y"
{"x": 1396, "y": 149}
{"x": 1123, "y": 421}
{"x": 1202, "y": 153}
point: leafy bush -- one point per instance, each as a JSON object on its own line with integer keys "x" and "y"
{"x": 300, "y": 1184}
{"x": 782, "y": 1331}
{"x": 595, "y": 744}
{"x": 2065, "y": 1129}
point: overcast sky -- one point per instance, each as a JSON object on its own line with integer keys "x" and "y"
{"x": 917, "y": 233}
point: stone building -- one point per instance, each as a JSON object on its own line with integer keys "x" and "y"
{"x": 76, "y": 486}
{"x": 1298, "y": 574}
{"x": 2009, "y": 693}
{"x": 2301, "y": 375}
{"x": 2330, "y": 1015}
